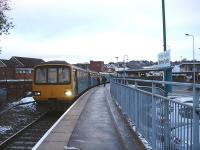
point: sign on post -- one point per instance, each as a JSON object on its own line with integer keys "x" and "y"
{"x": 164, "y": 59}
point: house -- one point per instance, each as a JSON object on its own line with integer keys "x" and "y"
{"x": 7, "y": 69}
{"x": 18, "y": 67}
{"x": 24, "y": 66}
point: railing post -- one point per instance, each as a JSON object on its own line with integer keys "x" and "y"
{"x": 136, "y": 106}
{"x": 165, "y": 122}
{"x": 111, "y": 85}
{"x": 153, "y": 118}
{"x": 195, "y": 125}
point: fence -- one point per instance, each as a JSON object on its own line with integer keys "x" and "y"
{"x": 14, "y": 89}
{"x": 166, "y": 121}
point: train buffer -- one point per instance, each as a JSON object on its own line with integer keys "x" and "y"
{"x": 93, "y": 122}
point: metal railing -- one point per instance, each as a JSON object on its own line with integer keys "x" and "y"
{"x": 165, "y": 120}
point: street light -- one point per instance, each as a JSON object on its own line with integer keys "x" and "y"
{"x": 193, "y": 56}
{"x": 117, "y": 66}
{"x": 195, "y": 123}
{"x": 125, "y": 56}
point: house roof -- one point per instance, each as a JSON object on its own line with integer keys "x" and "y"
{"x": 7, "y": 63}
{"x": 26, "y": 62}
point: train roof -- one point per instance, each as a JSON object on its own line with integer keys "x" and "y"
{"x": 55, "y": 62}
{"x": 59, "y": 62}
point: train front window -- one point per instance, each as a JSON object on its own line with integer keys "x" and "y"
{"x": 41, "y": 75}
{"x": 52, "y": 75}
{"x": 63, "y": 75}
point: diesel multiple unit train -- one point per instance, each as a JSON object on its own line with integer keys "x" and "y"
{"x": 59, "y": 81}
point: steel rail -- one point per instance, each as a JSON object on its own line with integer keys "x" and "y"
{"x": 10, "y": 139}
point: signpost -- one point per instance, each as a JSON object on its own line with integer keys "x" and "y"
{"x": 164, "y": 59}
{"x": 165, "y": 65}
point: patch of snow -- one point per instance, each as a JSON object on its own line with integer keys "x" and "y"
{"x": 3, "y": 129}
{"x": 26, "y": 99}
{"x": 146, "y": 144}
{"x": 131, "y": 85}
{"x": 184, "y": 99}
{"x": 70, "y": 148}
{"x": 23, "y": 100}
{"x": 181, "y": 99}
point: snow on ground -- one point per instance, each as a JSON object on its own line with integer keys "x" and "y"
{"x": 23, "y": 100}
{"x": 26, "y": 99}
{"x": 184, "y": 99}
{"x": 3, "y": 129}
{"x": 144, "y": 141}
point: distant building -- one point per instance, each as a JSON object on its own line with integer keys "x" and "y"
{"x": 83, "y": 65}
{"x": 184, "y": 71}
{"x": 18, "y": 67}
{"x": 110, "y": 68}
{"x": 97, "y": 66}
{"x": 188, "y": 66}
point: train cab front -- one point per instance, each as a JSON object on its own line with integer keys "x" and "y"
{"x": 58, "y": 93}
{"x": 53, "y": 84}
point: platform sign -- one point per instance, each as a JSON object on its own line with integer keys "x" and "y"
{"x": 164, "y": 59}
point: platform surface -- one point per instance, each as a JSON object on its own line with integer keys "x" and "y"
{"x": 92, "y": 123}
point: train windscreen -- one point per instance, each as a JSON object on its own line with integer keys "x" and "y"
{"x": 52, "y": 75}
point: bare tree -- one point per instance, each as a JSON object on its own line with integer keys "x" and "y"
{"x": 5, "y": 21}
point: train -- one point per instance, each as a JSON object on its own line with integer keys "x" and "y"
{"x": 60, "y": 82}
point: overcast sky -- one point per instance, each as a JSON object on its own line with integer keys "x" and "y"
{"x": 82, "y": 30}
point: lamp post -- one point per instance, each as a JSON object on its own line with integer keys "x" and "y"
{"x": 125, "y": 56}
{"x": 117, "y": 65}
{"x": 195, "y": 124}
{"x": 193, "y": 56}
{"x": 164, "y": 26}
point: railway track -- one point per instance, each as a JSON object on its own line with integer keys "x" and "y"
{"x": 19, "y": 104}
{"x": 27, "y": 137}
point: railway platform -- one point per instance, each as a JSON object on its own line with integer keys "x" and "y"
{"x": 93, "y": 122}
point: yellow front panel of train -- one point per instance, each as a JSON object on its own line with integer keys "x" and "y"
{"x": 53, "y": 92}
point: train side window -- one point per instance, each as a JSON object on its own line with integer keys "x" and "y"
{"x": 63, "y": 75}
{"x": 41, "y": 75}
{"x": 52, "y": 75}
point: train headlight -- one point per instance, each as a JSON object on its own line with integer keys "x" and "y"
{"x": 68, "y": 93}
{"x": 36, "y": 93}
